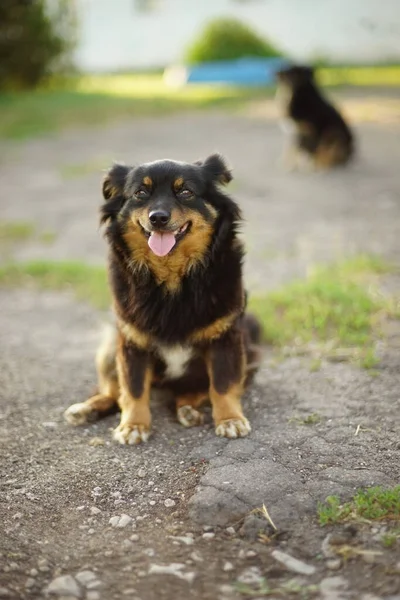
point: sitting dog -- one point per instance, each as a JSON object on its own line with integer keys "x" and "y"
{"x": 319, "y": 133}
{"x": 175, "y": 270}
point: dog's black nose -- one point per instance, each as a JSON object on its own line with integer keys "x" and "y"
{"x": 159, "y": 218}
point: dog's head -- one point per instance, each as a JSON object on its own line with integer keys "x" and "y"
{"x": 295, "y": 76}
{"x": 168, "y": 211}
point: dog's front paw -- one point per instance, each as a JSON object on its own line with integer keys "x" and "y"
{"x": 233, "y": 428}
{"x": 189, "y": 416}
{"x": 131, "y": 434}
{"x": 79, "y": 414}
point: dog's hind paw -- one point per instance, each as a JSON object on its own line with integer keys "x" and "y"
{"x": 189, "y": 416}
{"x": 79, "y": 414}
{"x": 131, "y": 434}
{"x": 233, "y": 428}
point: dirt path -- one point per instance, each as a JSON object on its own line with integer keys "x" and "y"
{"x": 187, "y": 493}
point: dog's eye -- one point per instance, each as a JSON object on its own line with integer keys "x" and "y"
{"x": 141, "y": 194}
{"x": 184, "y": 193}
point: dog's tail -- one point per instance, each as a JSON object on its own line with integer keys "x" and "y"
{"x": 253, "y": 334}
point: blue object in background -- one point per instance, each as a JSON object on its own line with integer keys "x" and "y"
{"x": 242, "y": 71}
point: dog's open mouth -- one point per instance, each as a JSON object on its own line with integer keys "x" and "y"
{"x": 162, "y": 242}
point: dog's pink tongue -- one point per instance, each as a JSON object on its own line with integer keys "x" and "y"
{"x": 161, "y": 243}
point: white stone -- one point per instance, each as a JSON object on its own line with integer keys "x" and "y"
{"x": 63, "y": 586}
{"x": 85, "y": 577}
{"x": 293, "y": 564}
{"x": 172, "y": 569}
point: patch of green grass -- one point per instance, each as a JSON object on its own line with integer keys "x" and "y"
{"x": 95, "y": 100}
{"x": 47, "y": 237}
{"x": 87, "y": 282}
{"x": 315, "y": 365}
{"x": 374, "y": 503}
{"x": 286, "y": 589}
{"x": 312, "y": 419}
{"x": 334, "y": 311}
{"x": 389, "y": 539}
{"x": 371, "y": 76}
{"x": 15, "y": 231}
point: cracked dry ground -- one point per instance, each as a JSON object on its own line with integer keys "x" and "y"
{"x": 59, "y": 492}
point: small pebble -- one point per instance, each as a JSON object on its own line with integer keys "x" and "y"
{"x": 230, "y": 530}
{"x": 334, "y": 564}
{"x": 121, "y": 521}
{"x": 208, "y": 536}
{"x": 152, "y": 502}
{"x": 96, "y": 441}
{"x": 142, "y": 473}
{"x": 90, "y": 531}
{"x": 134, "y": 537}
{"x": 207, "y": 527}
{"x": 250, "y": 554}
{"x": 30, "y": 582}
{"x": 85, "y": 577}
{"x": 196, "y": 557}
{"x": 64, "y": 585}
{"x": 293, "y": 564}
{"x": 169, "y": 503}
{"x": 94, "y": 510}
{"x": 33, "y": 572}
{"x": 250, "y": 576}
{"x": 228, "y": 566}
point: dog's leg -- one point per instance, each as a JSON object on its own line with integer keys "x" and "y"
{"x": 186, "y": 409}
{"x": 226, "y": 368}
{"x": 135, "y": 376}
{"x": 105, "y": 400}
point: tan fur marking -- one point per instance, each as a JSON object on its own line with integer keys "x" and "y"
{"x": 109, "y": 190}
{"x": 170, "y": 269}
{"x": 132, "y": 334}
{"x": 330, "y": 154}
{"x": 213, "y": 211}
{"x": 147, "y": 181}
{"x": 304, "y": 127}
{"x": 227, "y": 406}
{"x": 178, "y": 183}
{"x": 193, "y": 400}
{"x": 215, "y": 330}
{"x": 135, "y": 412}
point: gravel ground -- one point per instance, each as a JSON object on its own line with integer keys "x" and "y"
{"x": 86, "y": 518}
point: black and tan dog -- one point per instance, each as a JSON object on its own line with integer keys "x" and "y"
{"x": 319, "y": 135}
{"x": 175, "y": 271}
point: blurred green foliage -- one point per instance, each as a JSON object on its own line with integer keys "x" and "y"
{"x": 36, "y": 39}
{"x": 226, "y": 39}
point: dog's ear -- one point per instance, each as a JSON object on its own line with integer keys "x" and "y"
{"x": 114, "y": 181}
{"x": 113, "y": 191}
{"x": 216, "y": 169}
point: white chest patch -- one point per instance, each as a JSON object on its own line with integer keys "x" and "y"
{"x": 176, "y": 359}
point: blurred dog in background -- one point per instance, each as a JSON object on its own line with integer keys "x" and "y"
{"x": 319, "y": 136}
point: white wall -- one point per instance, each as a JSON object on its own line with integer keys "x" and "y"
{"x": 114, "y": 35}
